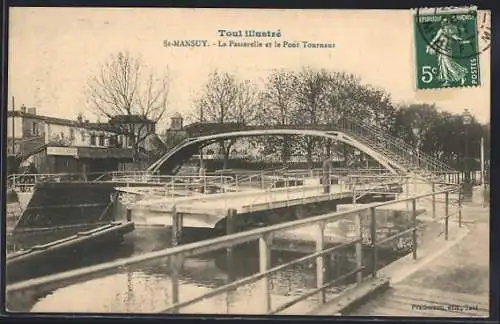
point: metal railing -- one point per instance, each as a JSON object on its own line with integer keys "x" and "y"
{"x": 21, "y": 295}
{"x": 26, "y": 181}
{"x": 396, "y": 148}
{"x": 292, "y": 191}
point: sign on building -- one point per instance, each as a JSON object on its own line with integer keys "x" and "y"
{"x": 66, "y": 151}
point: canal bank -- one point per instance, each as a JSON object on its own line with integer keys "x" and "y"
{"x": 446, "y": 272}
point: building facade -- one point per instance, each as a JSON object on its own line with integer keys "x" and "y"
{"x": 56, "y": 145}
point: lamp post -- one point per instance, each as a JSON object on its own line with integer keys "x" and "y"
{"x": 467, "y": 186}
{"x": 467, "y": 119}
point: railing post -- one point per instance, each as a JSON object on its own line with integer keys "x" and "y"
{"x": 176, "y": 226}
{"x": 446, "y": 201}
{"x": 172, "y": 180}
{"x": 354, "y": 193}
{"x": 414, "y": 233}
{"x": 204, "y": 184}
{"x": 174, "y": 278}
{"x": 373, "y": 230}
{"x": 407, "y": 186}
{"x": 231, "y": 213}
{"x": 359, "y": 246}
{"x": 459, "y": 210}
{"x": 433, "y": 200}
{"x": 264, "y": 265}
{"x": 320, "y": 261}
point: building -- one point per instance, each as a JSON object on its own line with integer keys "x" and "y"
{"x": 136, "y": 126}
{"x": 176, "y": 133}
{"x": 56, "y": 145}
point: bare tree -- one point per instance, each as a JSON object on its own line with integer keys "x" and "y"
{"x": 226, "y": 100}
{"x": 124, "y": 90}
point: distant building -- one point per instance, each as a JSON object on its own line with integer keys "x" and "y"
{"x": 176, "y": 133}
{"x": 56, "y": 145}
{"x": 133, "y": 125}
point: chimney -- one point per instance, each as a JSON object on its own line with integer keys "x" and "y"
{"x": 23, "y": 109}
{"x": 32, "y": 111}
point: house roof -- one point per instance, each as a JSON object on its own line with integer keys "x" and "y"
{"x": 67, "y": 122}
{"x": 136, "y": 119}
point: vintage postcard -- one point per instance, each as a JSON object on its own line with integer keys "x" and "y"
{"x": 244, "y": 161}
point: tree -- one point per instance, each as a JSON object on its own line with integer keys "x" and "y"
{"x": 311, "y": 102}
{"x": 226, "y": 100}
{"x": 348, "y": 98}
{"x": 124, "y": 90}
{"x": 278, "y": 104}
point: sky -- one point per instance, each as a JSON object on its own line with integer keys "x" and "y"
{"x": 54, "y": 51}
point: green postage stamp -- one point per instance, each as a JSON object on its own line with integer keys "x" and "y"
{"x": 446, "y": 45}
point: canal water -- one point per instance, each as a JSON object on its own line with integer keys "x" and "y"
{"x": 146, "y": 288}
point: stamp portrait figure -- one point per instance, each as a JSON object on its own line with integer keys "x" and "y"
{"x": 449, "y": 69}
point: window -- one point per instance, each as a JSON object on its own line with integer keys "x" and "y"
{"x": 71, "y": 134}
{"x": 83, "y": 137}
{"x": 92, "y": 139}
{"x": 101, "y": 140}
{"x": 34, "y": 130}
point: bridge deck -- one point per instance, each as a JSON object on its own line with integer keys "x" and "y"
{"x": 208, "y": 209}
{"x": 450, "y": 280}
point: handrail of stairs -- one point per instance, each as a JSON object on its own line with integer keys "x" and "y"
{"x": 407, "y": 147}
{"x": 403, "y": 145}
{"x": 361, "y": 132}
{"x": 394, "y": 145}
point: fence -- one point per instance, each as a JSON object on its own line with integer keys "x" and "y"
{"x": 208, "y": 183}
{"x": 23, "y": 294}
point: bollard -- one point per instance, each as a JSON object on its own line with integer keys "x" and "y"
{"x": 373, "y": 229}
{"x": 320, "y": 261}
{"x": 414, "y": 233}
{"x": 264, "y": 265}
{"x": 446, "y": 200}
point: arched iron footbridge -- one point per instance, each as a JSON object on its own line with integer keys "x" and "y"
{"x": 171, "y": 161}
{"x": 392, "y": 153}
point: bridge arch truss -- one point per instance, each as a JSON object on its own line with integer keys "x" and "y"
{"x": 170, "y": 162}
